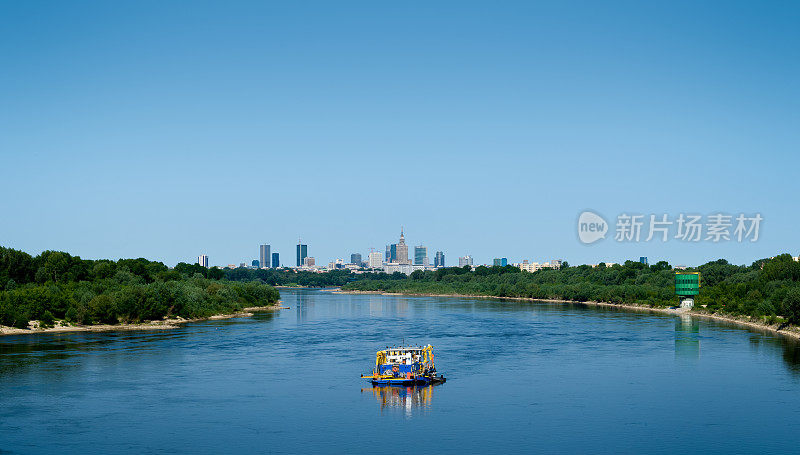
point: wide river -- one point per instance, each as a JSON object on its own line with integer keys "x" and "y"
{"x": 522, "y": 377}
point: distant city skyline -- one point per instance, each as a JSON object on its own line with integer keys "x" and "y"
{"x": 420, "y": 258}
{"x": 420, "y": 254}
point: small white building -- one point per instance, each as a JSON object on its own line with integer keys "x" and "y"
{"x": 397, "y": 267}
{"x": 534, "y": 266}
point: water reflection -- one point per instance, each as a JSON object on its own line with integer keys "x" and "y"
{"x": 790, "y": 348}
{"x": 791, "y": 355}
{"x": 303, "y": 302}
{"x": 687, "y": 338}
{"x": 376, "y": 303}
{"x": 407, "y": 399}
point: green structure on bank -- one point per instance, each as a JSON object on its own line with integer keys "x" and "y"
{"x": 687, "y": 286}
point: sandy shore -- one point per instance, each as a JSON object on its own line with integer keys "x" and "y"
{"x": 165, "y": 324}
{"x": 743, "y": 321}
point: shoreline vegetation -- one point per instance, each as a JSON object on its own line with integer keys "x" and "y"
{"x": 764, "y": 295}
{"x": 745, "y": 321}
{"x": 57, "y": 292}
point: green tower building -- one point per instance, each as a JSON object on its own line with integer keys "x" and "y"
{"x": 687, "y": 285}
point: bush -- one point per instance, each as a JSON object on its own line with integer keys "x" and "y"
{"x": 47, "y": 319}
{"x": 72, "y": 315}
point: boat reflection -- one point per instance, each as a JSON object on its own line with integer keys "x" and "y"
{"x": 405, "y": 398}
{"x": 687, "y": 338}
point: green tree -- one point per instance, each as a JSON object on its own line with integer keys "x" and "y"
{"x": 792, "y": 305}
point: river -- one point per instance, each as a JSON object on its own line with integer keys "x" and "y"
{"x": 522, "y": 377}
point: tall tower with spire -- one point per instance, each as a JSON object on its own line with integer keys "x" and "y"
{"x": 402, "y": 249}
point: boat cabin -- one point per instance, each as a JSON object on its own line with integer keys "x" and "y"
{"x": 402, "y": 360}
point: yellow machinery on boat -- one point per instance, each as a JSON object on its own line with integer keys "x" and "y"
{"x": 404, "y": 365}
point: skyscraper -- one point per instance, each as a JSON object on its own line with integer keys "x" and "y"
{"x": 420, "y": 255}
{"x": 465, "y": 260}
{"x": 355, "y": 258}
{"x": 302, "y": 253}
{"x": 203, "y": 260}
{"x": 375, "y": 261}
{"x": 264, "y": 257}
{"x": 402, "y": 250}
{"x": 438, "y": 260}
{"x": 256, "y": 263}
{"x": 276, "y": 260}
{"x": 391, "y": 253}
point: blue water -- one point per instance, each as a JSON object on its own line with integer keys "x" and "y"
{"x": 522, "y": 377}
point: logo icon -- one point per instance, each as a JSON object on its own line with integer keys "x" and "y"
{"x": 591, "y": 227}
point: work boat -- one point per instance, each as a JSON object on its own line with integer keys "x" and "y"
{"x": 404, "y": 366}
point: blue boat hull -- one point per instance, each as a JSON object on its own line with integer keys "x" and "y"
{"x": 404, "y": 382}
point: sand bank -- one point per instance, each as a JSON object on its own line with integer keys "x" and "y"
{"x": 165, "y": 324}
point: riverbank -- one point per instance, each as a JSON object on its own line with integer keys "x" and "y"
{"x": 743, "y": 321}
{"x": 282, "y": 286}
{"x": 165, "y": 324}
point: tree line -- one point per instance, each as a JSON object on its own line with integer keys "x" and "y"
{"x": 56, "y": 285}
{"x": 291, "y": 277}
{"x": 768, "y": 288}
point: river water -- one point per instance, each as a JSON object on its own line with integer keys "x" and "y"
{"x": 522, "y": 377}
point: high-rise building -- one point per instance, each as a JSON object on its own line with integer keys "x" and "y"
{"x": 503, "y": 262}
{"x": 402, "y": 250}
{"x": 309, "y": 261}
{"x": 438, "y": 260}
{"x": 420, "y": 255}
{"x": 465, "y": 260}
{"x": 302, "y": 253}
{"x": 203, "y": 260}
{"x": 355, "y": 258}
{"x": 391, "y": 253}
{"x": 375, "y": 260}
{"x": 264, "y": 257}
{"x": 643, "y": 260}
{"x": 496, "y": 262}
{"x": 276, "y": 260}
{"x": 255, "y": 263}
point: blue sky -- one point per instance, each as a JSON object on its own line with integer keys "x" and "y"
{"x": 170, "y": 129}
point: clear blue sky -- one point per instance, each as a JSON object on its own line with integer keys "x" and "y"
{"x": 170, "y": 129}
